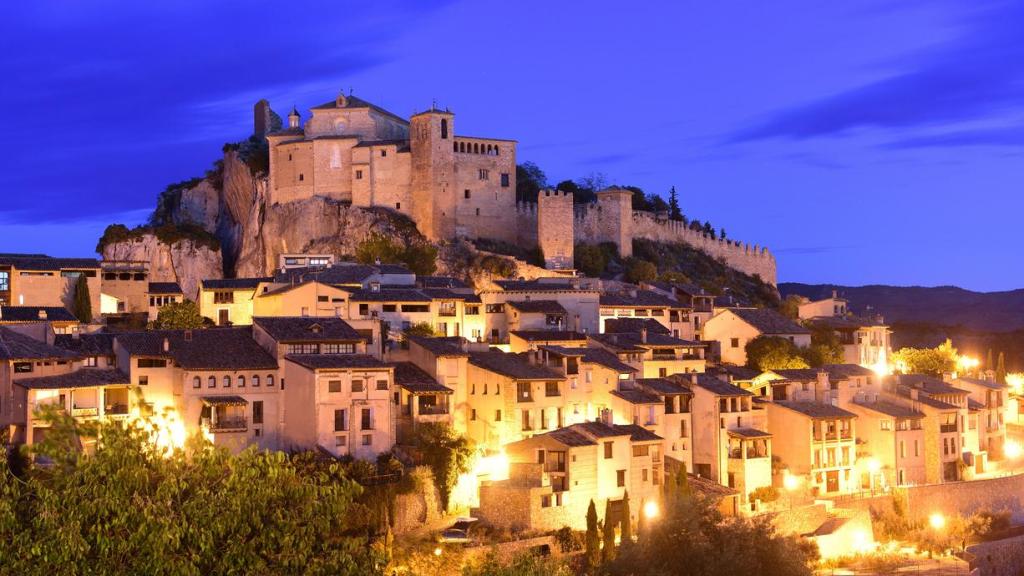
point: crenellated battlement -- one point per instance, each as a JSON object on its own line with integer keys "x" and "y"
{"x": 603, "y": 221}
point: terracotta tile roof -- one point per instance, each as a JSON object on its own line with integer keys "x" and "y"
{"x": 390, "y": 295}
{"x": 664, "y": 386}
{"x": 642, "y": 299}
{"x": 336, "y": 274}
{"x": 95, "y": 344}
{"x": 798, "y": 374}
{"x": 844, "y": 323}
{"x": 549, "y": 335}
{"x": 17, "y": 346}
{"x": 352, "y": 102}
{"x": 569, "y": 437}
{"x": 305, "y": 328}
{"x": 748, "y": 433}
{"x": 816, "y": 410}
{"x": 742, "y": 373}
{"x": 12, "y": 314}
{"x": 711, "y": 384}
{"x": 235, "y": 283}
{"x": 512, "y": 365}
{"x": 991, "y": 384}
{"x": 440, "y": 282}
{"x": 633, "y": 341}
{"x": 164, "y": 288}
{"x": 206, "y": 349}
{"x": 42, "y": 262}
{"x": 636, "y": 396}
{"x": 417, "y": 381}
{"x": 928, "y": 384}
{"x": 637, "y": 433}
{"x": 334, "y": 361}
{"x": 843, "y": 371}
{"x": 449, "y": 346}
{"x": 537, "y": 306}
{"x": 620, "y": 325}
{"x": 890, "y": 409}
{"x": 607, "y": 359}
{"x": 81, "y": 378}
{"x": 548, "y": 285}
{"x": 768, "y": 321}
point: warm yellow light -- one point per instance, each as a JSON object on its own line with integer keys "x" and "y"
{"x": 862, "y": 541}
{"x": 874, "y": 465}
{"x": 437, "y": 551}
{"x": 1015, "y": 381}
{"x": 967, "y": 363}
{"x": 168, "y": 431}
{"x": 651, "y": 510}
{"x": 881, "y": 367}
{"x": 937, "y": 521}
{"x": 790, "y": 482}
{"x": 1012, "y": 449}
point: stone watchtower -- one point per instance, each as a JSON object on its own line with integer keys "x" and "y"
{"x": 433, "y": 179}
{"x": 616, "y": 219}
{"x": 555, "y": 228}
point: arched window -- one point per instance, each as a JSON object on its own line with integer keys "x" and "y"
{"x": 270, "y": 380}
{"x": 255, "y": 380}
{"x": 241, "y": 381}
{"x": 496, "y": 151}
{"x": 455, "y": 146}
{"x": 197, "y": 382}
{"x": 227, "y": 381}
{"x": 211, "y": 382}
{"x": 476, "y": 148}
{"x": 462, "y": 146}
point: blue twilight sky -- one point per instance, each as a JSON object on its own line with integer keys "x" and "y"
{"x": 864, "y": 142}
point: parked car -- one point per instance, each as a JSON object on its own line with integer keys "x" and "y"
{"x": 458, "y": 533}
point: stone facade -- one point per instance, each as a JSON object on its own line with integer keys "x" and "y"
{"x": 555, "y": 229}
{"x": 359, "y": 154}
{"x": 612, "y": 219}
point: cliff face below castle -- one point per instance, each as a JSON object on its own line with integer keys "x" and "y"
{"x": 183, "y": 261}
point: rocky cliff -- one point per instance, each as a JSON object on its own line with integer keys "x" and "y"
{"x": 183, "y": 261}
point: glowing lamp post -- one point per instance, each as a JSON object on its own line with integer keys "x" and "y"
{"x": 937, "y": 521}
{"x": 791, "y": 483}
{"x": 651, "y": 510}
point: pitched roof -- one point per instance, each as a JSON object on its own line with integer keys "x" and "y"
{"x": 206, "y": 349}
{"x": 334, "y": 361}
{"x": 81, "y": 378}
{"x": 634, "y": 342}
{"x": 336, "y": 274}
{"x": 709, "y": 488}
{"x": 417, "y": 381}
{"x": 450, "y": 294}
{"x": 545, "y": 285}
{"x": 798, "y": 374}
{"x": 17, "y": 346}
{"x": 768, "y": 321}
{"x": 927, "y": 384}
{"x": 307, "y": 328}
{"x": 737, "y": 372}
{"x": 390, "y": 295}
{"x": 816, "y": 410}
{"x": 890, "y": 409}
{"x": 569, "y": 437}
{"x": 235, "y": 283}
{"x": 595, "y": 429}
{"x": 537, "y": 306}
{"x": 844, "y": 322}
{"x": 95, "y": 344}
{"x": 637, "y": 396}
{"x": 512, "y": 365}
{"x": 440, "y": 282}
{"x": 642, "y": 299}
{"x": 664, "y": 386}
{"x": 447, "y": 346}
{"x": 42, "y": 262}
{"x": 352, "y": 102}
{"x": 226, "y": 400}
{"x": 637, "y": 433}
{"x": 164, "y": 288}
{"x": 548, "y": 335}
{"x": 635, "y": 325}
{"x": 12, "y": 314}
{"x": 748, "y": 433}
{"x": 607, "y": 359}
{"x": 843, "y": 371}
{"x": 991, "y": 384}
{"x": 712, "y": 384}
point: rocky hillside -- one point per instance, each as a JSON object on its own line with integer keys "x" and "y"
{"x": 941, "y": 305}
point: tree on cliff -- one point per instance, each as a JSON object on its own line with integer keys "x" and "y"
{"x": 530, "y": 180}
{"x": 420, "y": 258}
{"x": 590, "y": 260}
{"x": 83, "y": 300}
{"x": 674, "y": 213}
{"x": 641, "y": 271}
{"x": 182, "y": 315}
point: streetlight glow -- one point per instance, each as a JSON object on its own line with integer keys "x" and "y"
{"x": 790, "y": 482}
{"x": 437, "y": 551}
{"x": 1012, "y": 449}
{"x": 651, "y": 510}
{"x": 937, "y": 521}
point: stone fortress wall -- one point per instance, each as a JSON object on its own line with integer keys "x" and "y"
{"x": 612, "y": 219}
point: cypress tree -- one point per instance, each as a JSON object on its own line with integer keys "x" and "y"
{"x": 592, "y": 541}
{"x": 1001, "y": 369}
{"x": 683, "y": 483}
{"x": 674, "y": 213}
{"x": 626, "y": 529}
{"x": 989, "y": 364}
{"x": 641, "y": 523}
{"x": 608, "y": 535}
{"x": 83, "y": 302}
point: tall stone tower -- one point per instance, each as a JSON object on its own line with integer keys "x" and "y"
{"x": 554, "y": 228}
{"x": 616, "y": 221}
{"x": 433, "y": 180}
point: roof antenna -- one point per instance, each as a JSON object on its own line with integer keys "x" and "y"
{"x": 433, "y": 104}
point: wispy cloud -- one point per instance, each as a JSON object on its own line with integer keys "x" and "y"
{"x": 977, "y": 75}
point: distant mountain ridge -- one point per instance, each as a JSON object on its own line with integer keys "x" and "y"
{"x": 942, "y": 305}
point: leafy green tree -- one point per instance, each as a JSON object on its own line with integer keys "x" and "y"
{"x": 420, "y": 329}
{"x": 641, "y": 271}
{"x": 935, "y": 361}
{"x": 692, "y": 537}
{"x": 182, "y": 315}
{"x": 1001, "y": 369}
{"x": 774, "y": 353}
{"x": 607, "y": 535}
{"x": 790, "y": 307}
{"x": 674, "y": 213}
{"x": 590, "y": 260}
{"x": 825, "y": 348}
{"x": 134, "y": 508}
{"x": 83, "y": 301}
{"x": 580, "y": 195}
{"x": 530, "y": 180}
{"x": 592, "y": 541}
{"x": 420, "y": 258}
{"x": 523, "y": 564}
{"x": 447, "y": 454}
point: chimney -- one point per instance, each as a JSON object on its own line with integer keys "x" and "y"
{"x": 605, "y": 416}
{"x": 532, "y": 356}
{"x": 167, "y": 345}
{"x": 643, "y": 334}
{"x": 693, "y": 377}
{"x": 835, "y": 294}
{"x": 913, "y": 393}
{"x": 42, "y": 314}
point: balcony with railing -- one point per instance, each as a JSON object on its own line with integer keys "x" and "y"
{"x": 229, "y": 424}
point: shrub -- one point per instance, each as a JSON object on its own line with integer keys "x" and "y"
{"x": 765, "y": 494}
{"x": 641, "y": 271}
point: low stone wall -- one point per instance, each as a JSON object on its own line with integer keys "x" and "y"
{"x": 799, "y": 520}
{"x": 999, "y": 558}
{"x": 965, "y": 498}
{"x": 419, "y": 507}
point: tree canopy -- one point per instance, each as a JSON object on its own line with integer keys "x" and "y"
{"x": 774, "y": 353}
{"x": 132, "y": 508}
{"x": 182, "y": 315}
{"x": 934, "y": 361}
{"x": 420, "y": 258}
{"x": 83, "y": 300}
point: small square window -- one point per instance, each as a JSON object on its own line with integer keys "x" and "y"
{"x": 466, "y": 194}
{"x": 367, "y": 439}
{"x": 143, "y": 380}
{"x": 334, "y": 386}
{"x": 383, "y": 153}
{"x": 301, "y": 177}
{"x": 382, "y": 384}
{"x": 504, "y": 180}
{"x": 398, "y": 205}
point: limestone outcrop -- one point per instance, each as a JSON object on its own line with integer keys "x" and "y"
{"x": 184, "y": 261}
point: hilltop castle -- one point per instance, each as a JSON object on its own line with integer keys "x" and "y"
{"x": 457, "y": 186}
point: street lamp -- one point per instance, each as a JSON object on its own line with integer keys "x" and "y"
{"x": 437, "y": 551}
{"x": 651, "y": 510}
{"x": 937, "y": 521}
